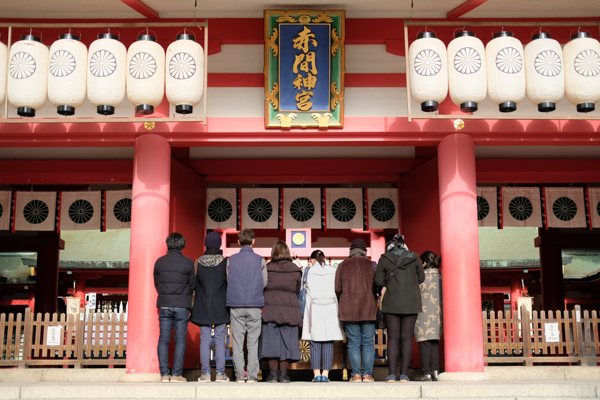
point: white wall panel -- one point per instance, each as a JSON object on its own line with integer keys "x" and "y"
{"x": 236, "y": 102}
{"x": 374, "y": 59}
{"x": 375, "y": 102}
{"x": 238, "y": 59}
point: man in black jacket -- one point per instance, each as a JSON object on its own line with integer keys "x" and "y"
{"x": 174, "y": 279}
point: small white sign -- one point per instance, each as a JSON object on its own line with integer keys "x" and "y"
{"x": 552, "y": 332}
{"x": 53, "y": 336}
{"x": 91, "y": 304}
{"x": 578, "y": 315}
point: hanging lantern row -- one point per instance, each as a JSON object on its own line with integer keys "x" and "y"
{"x": 67, "y": 72}
{"x": 504, "y": 71}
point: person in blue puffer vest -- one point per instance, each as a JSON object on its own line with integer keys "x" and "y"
{"x": 246, "y": 282}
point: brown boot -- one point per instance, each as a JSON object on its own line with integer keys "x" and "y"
{"x": 356, "y": 379}
{"x": 368, "y": 379}
{"x": 283, "y": 377}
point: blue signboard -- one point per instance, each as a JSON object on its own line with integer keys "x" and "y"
{"x": 304, "y": 67}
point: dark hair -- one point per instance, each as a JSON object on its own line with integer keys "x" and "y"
{"x": 280, "y": 252}
{"x": 431, "y": 259}
{"x": 175, "y": 241}
{"x": 395, "y": 242}
{"x": 319, "y": 256}
{"x": 246, "y": 236}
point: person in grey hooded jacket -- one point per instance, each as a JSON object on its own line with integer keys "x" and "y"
{"x": 399, "y": 272}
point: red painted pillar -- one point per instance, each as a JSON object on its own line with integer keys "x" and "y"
{"x": 515, "y": 292}
{"x": 149, "y": 230}
{"x": 498, "y": 302}
{"x": 46, "y": 273}
{"x": 460, "y": 254}
{"x": 80, "y": 290}
{"x": 377, "y": 245}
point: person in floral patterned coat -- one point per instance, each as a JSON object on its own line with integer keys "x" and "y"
{"x": 429, "y": 322}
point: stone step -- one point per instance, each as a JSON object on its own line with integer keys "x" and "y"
{"x": 303, "y": 390}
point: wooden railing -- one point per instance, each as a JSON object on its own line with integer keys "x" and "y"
{"x": 544, "y": 337}
{"x": 97, "y": 339}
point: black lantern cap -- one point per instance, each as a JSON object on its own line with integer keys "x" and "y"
{"x": 541, "y": 35}
{"x": 585, "y": 107}
{"x": 468, "y": 107}
{"x": 105, "y": 110}
{"x": 426, "y": 35}
{"x": 65, "y": 110}
{"x": 507, "y": 106}
{"x": 547, "y": 106}
{"x": 429, "y": 106}
{"x": 26, "y": 112}
{"x": 31, "y": 37}
{"x": 464, "y": 33}
{"x": 150, "y": 38}
{"x": 503, "y": 34}
{"x": 108, "y": 36}
{"x": 69, "y": 36}
{"x": 581, "y": 35}
{"x": 185, "y": 36}
{"x": 184, "y": 109}
{"x": 144, "y": 109}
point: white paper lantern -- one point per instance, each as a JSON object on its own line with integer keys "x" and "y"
{"x": 27, "y": 76}
{"x": 467, "y": 78}
{"x": 505, "y": 72}
{"x": 3, "y": 62}
{"x": 582, "y": 71}
{"x": 185, "y": 73}
{"x": 67, "y": 74}
{"x": 145, "y": 74}
{"x": 428, "y": 71}
{"x": 106, "y": 77}
{"x": 544, "y": 72}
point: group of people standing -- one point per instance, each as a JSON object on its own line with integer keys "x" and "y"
{"x": 260, "y": 302}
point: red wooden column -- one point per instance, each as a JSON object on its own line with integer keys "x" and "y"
{"x": 46, "y": 274}
{"x": 149, "y": 230}
{"x": 460, "y": 254}
{"x": 515, "y": 292}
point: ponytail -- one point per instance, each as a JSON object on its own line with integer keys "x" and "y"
{"x": 431, "y": 259}
{"x": 319, "y": 256}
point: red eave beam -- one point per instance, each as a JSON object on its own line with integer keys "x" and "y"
{"x": 464, "y": 8}
{"x": 538, "y": 171}
{"x": 141, "y": 7}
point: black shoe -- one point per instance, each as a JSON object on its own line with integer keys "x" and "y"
{"x": 273, "y": 376}
{"x": 435, "y": 375}
{"x": 424, "y": 377}
{"x": 283, "y": 377}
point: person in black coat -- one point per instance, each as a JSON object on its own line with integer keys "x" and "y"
{"x": 209, "y": 305}
{"x": 399, "y": 272}
{"x": 174, "y": 280}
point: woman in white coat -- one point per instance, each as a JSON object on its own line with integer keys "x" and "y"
{"x": 321, "y": 324}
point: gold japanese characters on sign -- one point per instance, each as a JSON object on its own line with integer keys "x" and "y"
{"x": 304, "y": 69}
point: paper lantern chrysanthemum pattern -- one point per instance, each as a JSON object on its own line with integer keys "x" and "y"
{"x": 103, "y": 63}
{"x": 428, "y": 63}
{"x": 467, "y": 61}
{"x": 22, "y": 65}
{"x": 142, "y": 65}
{"x": 509, "y": 60}
{"x": 62, "y": 63}
{"x": 548, "y": 63}
{"x": 587, "y": 63}
{"x": 182, "y": 66}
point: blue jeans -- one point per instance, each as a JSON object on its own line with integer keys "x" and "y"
{"x": 361, "y": 333}
{"x": 167, "y": 319}
{"x": 205, "y": 339}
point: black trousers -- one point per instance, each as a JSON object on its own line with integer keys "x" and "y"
{"x": 400, "y": 328}
{"x": 430, "y": 356}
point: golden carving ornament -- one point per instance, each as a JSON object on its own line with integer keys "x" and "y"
{"x": 304, "y": 19}
{"x": 286, "y": 120}
{"x": 322, "y": 18}
{"x": 323, "y": 120}
{"x": 459, "y": 124}
{"x": 337, "y": 96}
{"x": 286, "y": 17}
{"x": 271, "y": 43}
{"x": 272, "y": 96}
{"x": 305, "y": 351}
{"x": 149, "y": 125}
{"x": 337, "y": 42}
